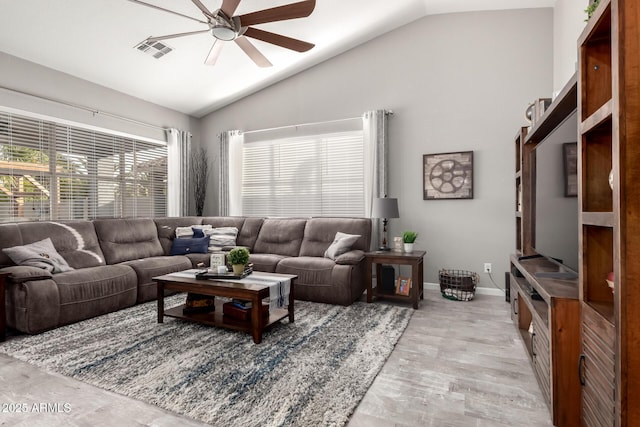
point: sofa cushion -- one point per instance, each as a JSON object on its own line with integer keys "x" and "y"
{"x": 197, "y": 245}
{"x": 39, "y": 254}
{"x": 148, "y": 268}
{"x": 265, "y": 262}
{"x": 320, "y": 232}
{"x": 128, "y": 239}
{"x": 308, "y": 269}
{"x": 76, "y": 241}
{"x": 342, "y": 243}
{"x": 280, "y": 236}
{"x": 94, "y": 291}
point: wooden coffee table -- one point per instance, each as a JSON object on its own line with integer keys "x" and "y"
{"x": 226, "y": 289}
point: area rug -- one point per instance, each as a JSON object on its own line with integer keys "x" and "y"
{"x": 312, "y": 372}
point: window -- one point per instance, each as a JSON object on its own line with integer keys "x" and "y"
{"x": 314, "y": 175}
{"x": 51, "y": 170}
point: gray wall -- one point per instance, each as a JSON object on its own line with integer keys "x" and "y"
{"x": 568, "y": 23}
{"x": 22, "y": 75}
{"x": 455, "y": 82}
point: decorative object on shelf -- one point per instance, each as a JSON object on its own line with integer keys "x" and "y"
{"x": 458, "y": 285}
{"x": 397, "y": 244}
{"x": 570, "y": 161}
{"x": 536, "y": 109}
{"x": 199, "y": 168}
{"x": 403, "y": 286}
{"x": 409, "y": 238}
{"x": 519, "y": 202}
{"x": 448, "y": 175}
{"x": 385, "y": 208}
{"x": 611, "y": 179}
{"x": 610, "y": 281}
{"x": 238, "y": 257}
{"x": 590, "y": 10}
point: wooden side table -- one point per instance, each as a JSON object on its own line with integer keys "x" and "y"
{"x": 415, "y": 259}
{"x": 3, "y": 312}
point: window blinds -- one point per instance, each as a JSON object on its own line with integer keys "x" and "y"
{"x": 314, "y": 175}
{"x": 50, "y": 170}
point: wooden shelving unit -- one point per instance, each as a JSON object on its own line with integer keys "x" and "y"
{"x": 550, "y": 326}
{"x": 609, "y": 138}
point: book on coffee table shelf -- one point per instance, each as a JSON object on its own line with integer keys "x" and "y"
{"x": 241, "y": 310}
{"x": 197, "y": 303}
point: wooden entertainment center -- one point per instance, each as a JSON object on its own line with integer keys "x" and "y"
{"x": 584, "y": 339}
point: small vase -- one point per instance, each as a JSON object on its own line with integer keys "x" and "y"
{"x": 238, "y": 269}
{"x": 408, "y": 247}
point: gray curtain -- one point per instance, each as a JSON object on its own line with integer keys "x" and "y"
{"x": 376, "y": 141}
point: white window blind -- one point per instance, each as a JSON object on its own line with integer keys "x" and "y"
{"x": 315, "y": 175}
{"x": 50, "y": 170}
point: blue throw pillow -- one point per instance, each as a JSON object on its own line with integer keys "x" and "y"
{"x": 197, "y": 232}
{"x": 198, "y": 245}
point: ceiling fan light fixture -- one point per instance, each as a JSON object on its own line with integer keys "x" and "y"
{"x": 223, "y": 32}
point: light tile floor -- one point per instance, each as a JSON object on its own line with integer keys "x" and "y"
{"x": 457, "y": 364}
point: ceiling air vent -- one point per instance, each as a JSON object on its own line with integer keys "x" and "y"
{"x": 155, "y": 49}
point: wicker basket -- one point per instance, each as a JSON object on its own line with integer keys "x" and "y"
{"x": 458, "y": 285}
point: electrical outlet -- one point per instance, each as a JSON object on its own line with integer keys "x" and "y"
{"x": 487, "y": 267}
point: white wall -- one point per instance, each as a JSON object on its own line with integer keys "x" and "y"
{"x": 26, "y": 76}
{"x": 455, "y": 82}
{"x": 568, "y": 23}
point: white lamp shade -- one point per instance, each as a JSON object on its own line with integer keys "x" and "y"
{"x": 385, "y": 208}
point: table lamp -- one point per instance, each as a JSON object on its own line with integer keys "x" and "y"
{"x": 385, "y": 208}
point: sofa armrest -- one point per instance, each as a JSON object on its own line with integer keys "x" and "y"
{"x": 350, "y": 258}
{"x": 25, "y": 273}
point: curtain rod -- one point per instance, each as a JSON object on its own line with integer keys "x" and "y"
{"x": 85, "y": 108}
{"x": 389, "y": 112}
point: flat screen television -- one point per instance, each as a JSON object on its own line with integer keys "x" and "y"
{"x": 556, "y": 220}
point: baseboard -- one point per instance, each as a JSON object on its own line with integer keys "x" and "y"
{"x": 479, "y": 290}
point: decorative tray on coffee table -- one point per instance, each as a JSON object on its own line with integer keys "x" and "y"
{"x": 205, "y": 274}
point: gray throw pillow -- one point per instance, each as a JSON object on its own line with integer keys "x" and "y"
{"x": 341, "y": 243}
{"x": 221, "y": 237}
{"x": 40, "y": 254}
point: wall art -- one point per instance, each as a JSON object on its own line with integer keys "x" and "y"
{"x": 448, "y": 175}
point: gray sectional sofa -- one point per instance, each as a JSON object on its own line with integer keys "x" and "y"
{"x": 114, "y": 261}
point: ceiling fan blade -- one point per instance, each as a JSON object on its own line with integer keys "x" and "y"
{"x": 252, "y": 52}
{"x": 153, "y": 6}
{"x": 171, "y": 36}
{"x": 277, "y": 39}
{"x": 281, "y": 13}
{"x": 229, "y": 7}
{"x": 202, "y": 7}
{"x": 214, "y": 53}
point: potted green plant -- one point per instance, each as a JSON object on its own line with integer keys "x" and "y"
{"x": 409, "y": 238}
{"x": 238, "y": 258}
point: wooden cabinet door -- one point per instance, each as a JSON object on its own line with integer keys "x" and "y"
{"x": 597, "y": 369}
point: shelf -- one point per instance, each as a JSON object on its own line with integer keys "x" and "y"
{"x": 599, "y": 117}
{"x": 560, "y": 109}
{"x": 600, "y": 219}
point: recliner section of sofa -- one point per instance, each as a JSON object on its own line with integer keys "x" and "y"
{"x": 114, "y": 261}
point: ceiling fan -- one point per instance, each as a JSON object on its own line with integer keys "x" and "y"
{"x": 225, "y": 27}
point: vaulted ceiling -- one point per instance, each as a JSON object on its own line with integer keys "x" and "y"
{"x": 96, "y": 40}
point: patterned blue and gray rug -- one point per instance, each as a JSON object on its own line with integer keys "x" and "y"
{"x": 310, "y": 373}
